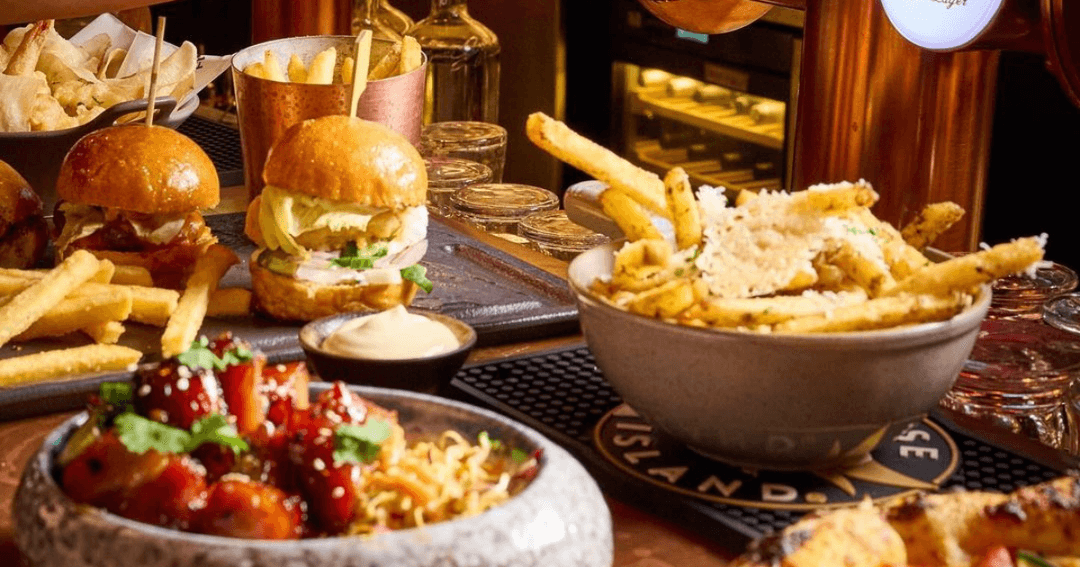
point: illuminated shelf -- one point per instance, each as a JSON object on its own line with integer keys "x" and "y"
{"x": 706, "y": 116}
{"x": 651, "y": 156}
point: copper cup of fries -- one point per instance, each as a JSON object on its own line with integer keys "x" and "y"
{"x": 294, "y": 79}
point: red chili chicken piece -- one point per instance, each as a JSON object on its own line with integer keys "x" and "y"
{"x": 247, "y": 509}
{"x": 177, "y": 395}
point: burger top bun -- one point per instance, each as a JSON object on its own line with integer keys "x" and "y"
{"x": 343, "y": 158}
{"x": 17, "y": 200}
{"x": 145, "y": 169}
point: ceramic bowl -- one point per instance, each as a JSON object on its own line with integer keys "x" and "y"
{"x": 430, "y": 374}
{"x": 774, "y": 401}
{"x": 560, "y": 518}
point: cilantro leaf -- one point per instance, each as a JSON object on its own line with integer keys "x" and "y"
{"x": 216, "y": 428}
{"x": 360, "y": 443}
{"x": 418, "y": 275}
{"x": 355, "y": 259}
{"x": 140, "y": 434}
{"x": 116, "y": 393}
{"x": 199, "y": 355}
{"x": 518, "y": 455}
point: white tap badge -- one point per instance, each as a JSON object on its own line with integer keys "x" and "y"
{"x": 941, "y": 24}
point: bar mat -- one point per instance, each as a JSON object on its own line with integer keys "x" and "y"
{"x": 564, "y": 395}
{"x": 222, "y": 143}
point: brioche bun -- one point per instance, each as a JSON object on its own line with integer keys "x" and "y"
{"x": 138, "y": 168}
{"x": 290, "y": 299}
{"x": 344, "y": 158}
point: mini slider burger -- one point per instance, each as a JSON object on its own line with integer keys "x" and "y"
{"x": 23, "y": 232}
{"x": 341, "y": 223}
{"x": 133, "y": 195}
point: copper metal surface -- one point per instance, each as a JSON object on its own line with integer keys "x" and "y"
{"x": 1059, "y": 18}
{"x": 916, "y": 124}
{"x": 707, "y": 16}
{"x": 275, "y": 19}
{"x": 265, "y": 108}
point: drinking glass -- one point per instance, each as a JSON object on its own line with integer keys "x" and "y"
{"x": 498, "y": 208}
{"x": 446, "y": 175}
{"x": 1020, "y": 371}
{"x": 481, "y": 142}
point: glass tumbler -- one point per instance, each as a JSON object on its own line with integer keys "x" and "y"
{"x": 1020, "y": 371}
{"x": 477, "y": 141}
{"x": 498, "y": 208}
{"x": 552, "y": 233}
{"x": 446, "y": 175}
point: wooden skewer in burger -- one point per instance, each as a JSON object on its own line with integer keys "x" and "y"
{"x": 341, "y": 224}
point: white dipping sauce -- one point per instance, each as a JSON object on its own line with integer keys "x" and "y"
{"x": 393, "y": 334}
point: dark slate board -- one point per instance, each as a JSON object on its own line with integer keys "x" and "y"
{"x": 505, "y": 299}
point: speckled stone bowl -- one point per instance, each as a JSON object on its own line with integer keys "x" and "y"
{"x": 560, "y": 518}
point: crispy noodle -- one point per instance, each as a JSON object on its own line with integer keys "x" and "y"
{"x": 411, "y": 486}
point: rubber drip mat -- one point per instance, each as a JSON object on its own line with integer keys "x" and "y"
{"x": 564, "y": 395}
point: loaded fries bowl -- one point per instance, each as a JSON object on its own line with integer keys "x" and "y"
{"x": 773, "y": 330}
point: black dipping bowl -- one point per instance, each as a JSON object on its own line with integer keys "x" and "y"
{"x": 430, "y": 374}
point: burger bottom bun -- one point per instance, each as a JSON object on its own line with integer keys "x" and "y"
{"x": 289, "y": 299}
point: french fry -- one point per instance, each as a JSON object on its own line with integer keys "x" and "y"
{"x": 411, "y": 55}
{"x": 667, "y": 300}
{"x": 256, "y": 69}
{"x": 875, "y": 279}
{"x": 229, "y": 302}
{"x": 933, "y": 220}
{"x": 966, "y": 272}
{"x": 132, "y": 275}
{"x": 560, "y": 141}
{"x": 74, "y": 313}
{"x": 630, "y": 215}
{"x": 386, "y": 64}
{"x": 683, "y": 208}
{"x": 66, "y": 364}
{"x": 902, "y": 258}
{"x": 272, "y": 66}
{"x": 296, "y": 70}
{"x": 642, "y": 265}
{"x": 744, "y": 196}
{"x": 107, "y": 333}
{"x": 836, "y": 198}
{"x": 878, "y": 313}
{"x": 757, "y": 311}
{"x": 185, "y": 322}
{"x": 105, "y": 273}
{"x": 34, "y": 301}
{"x": 150, "y": 305}
{"x": 321, "y": 71}
{"x": 348, "y": 66}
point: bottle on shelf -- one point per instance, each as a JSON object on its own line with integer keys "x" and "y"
{"x": 366, "y": 16}
{"x": 463, "y": 64}
{"x": 397, "y": 20}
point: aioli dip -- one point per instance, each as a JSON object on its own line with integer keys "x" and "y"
{"x": 393, "y": 334}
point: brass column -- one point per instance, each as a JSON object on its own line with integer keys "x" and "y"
{"x": 914, "y": 123}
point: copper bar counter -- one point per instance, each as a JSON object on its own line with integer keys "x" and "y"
{"x": 641, "y": 539}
